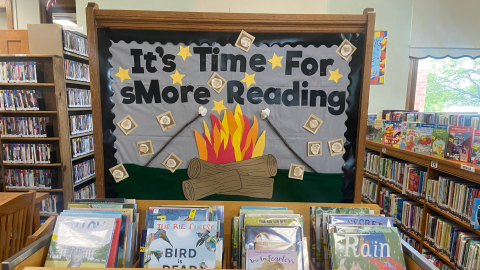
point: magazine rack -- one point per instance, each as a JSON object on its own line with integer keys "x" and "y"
{"x": 33, "y": 256}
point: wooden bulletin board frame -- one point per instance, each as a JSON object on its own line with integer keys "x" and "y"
{"x": 227, "y": 22}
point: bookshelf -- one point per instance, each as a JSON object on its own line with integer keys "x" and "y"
{"x": 54, "y": 44}
{"x": 435, "y": 167}
{"x": 51, "y": 83}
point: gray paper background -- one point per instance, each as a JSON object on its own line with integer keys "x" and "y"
{"x": 288, "y": 120}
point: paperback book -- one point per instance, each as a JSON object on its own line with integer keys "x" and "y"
{"x": 439, "y": 140}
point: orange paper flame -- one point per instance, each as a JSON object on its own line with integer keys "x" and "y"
{"x": 230, "y": 140}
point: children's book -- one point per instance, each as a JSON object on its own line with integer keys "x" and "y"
{"x": 459, "y": 143}
{"x": 423, "y": 138}
{"x": 396, "y": 134}
{"x": 475, "y": 159}
{"x": 272, "y": 259}
{"x": 181, "y": 244}
{"x": 175, "y": 214}
{"x": 235, "y": 251}
{"x": 370, "y": 251}
{"x": 439, "y": 140}
{"x": 370, "y": 125}
{"x": 378, "y": 130}
{"x": 387, "y": 133}
{"x": 474, "y": 218}
{"x": 80, "y": 242}
{"x": 361, "y": 220}
{"x": 142, "y": 249}
{"x": 410, "y": 136}
{"x": 403, "y": 135}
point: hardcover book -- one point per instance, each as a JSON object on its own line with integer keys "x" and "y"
{"x": 181, "y": 244}
{"x": 396, "y": 133}
{"x": 272, "y": 259}
{"x": 367, "y": 251}
{"x": 80, "y": 242}
{"x": 176, "y": 214}
{"x": 439, "y": 140}
{"x": 410, "y": 136}
{"x": 378, "y": 130}
{"x": 459, "y": 143}
{"x": 387, "y": 130}
{"x": 423, "y": 138}
{"x": 475, "y": 159}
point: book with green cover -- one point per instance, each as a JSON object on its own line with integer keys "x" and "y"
{"x": 439, "y": 140}
{"x": 378, "y": 130}
{"x": 367, "y": 251}
{"x": 235, "y": 250}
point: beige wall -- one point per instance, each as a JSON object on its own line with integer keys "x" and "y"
{"x": 3, "y": 19}
{"x": 28, "y": 12}
{"x": 263, "y": 6}
{"x": 396, "y": 18}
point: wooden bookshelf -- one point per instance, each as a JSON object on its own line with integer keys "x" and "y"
{"x": 77, "y": 82}
{"x": 79, "y": 109}
{"x": 435, "y": 167}
{"x": 52, "y": 86}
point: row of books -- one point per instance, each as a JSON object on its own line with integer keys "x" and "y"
{"x": 374, "y": 241}
{"x": 24, "y": 126}
{"x": 76, "y": 71}
{"x": 20, "y": 100}
{"x": 82, "y": 145}
{"x": 369, "y": 189}
{"x": 73, "y": 42}
{"x": 455, "y": 196}
{"x": 84, "y": 170}
{"x": 79, "y": 98}
{"x": 371, "y": 161}
{"x": 18, "y": 72}
{"x": 410, "y": 240}
{"x": 459, "y": 143}
{"x": 27, "y": 153}
{"x": 460, "y": 245}
{"x": 49, "y": 205}
{"x": 95, "y": 234}
{"x": 196, "y": 229}
{"x": 87, "y": 192}
{"x": 80, "y": 124}
{"x": 409, "y": 177}
{"x": 469, "y": 119}
{"x": 437, "y": 261}
{"x": 29, "y": 178}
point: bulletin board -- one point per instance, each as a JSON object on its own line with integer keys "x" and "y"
{"x": 213, "y": 106}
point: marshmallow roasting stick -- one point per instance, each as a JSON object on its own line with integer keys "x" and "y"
{"x": 264, "y": 115}
{"x": 201, "y": 112}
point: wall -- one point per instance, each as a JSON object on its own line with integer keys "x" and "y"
{"x": 28, "y": 12}
{"x": 3, "y": 19}
{"x": 396, "y": 18}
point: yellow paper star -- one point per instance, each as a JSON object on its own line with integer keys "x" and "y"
{"x": 184, "y": 52}
{"x": 249, "y": 79}
{"x": 177, "y": 77}
{"x": 334, "y": 76}
{"x": 122, "y": 74}
{"x": 218, "y": 106}
{"x": 276, "y": 61}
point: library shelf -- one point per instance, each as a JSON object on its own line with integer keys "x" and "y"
{"x": 75, "y": 55}
{"x": 32, "y": 165}
{"x": 28, "y": 55}
{"x": 400, "y": 191}
{"x": 76, "y": 109}
{"x": 440, "y": 255}
{"x": 48, "y": 214}
{"x": 29, "y": 112}
{"x": 77, "y": 82}
{"x": 374, "y": 177}
{"x": 452, "y": 217}
{"x": 84, "y": 180}
{"x": 83, "y": 156}
{"x": 367, "y": 201}
{"x": 30, "y": 138}
{"x": 36, "y": 189}
{"x": 81, "y": 134}
{"x": 411, "y": 234}
{"x": 29, "y": 84}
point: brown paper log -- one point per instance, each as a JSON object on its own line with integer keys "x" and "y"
{"x": 255, "y": 187}
{"x": 264, "y": 166}
{"x": 195, "y": 189}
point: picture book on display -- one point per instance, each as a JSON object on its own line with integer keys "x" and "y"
{"x": 459, "y": 143}
{"x": 378, "y": 130}
{"x": 366, "y": 251}
{"x": 387, "y": 132}
{"x": 396, "y": 133}
{"x": 272, "y": 259}
{"x": 423, "y": 138}
{"x": 475, "y": 158}
{"x": 439, "y": 140}
{"x": 411, "y": 131}
{"x": 181, "y": 244}
{"x": 81, "y": 242}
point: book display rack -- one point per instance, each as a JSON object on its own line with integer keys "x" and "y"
{"x": 436, "y": 191}
{"x": 35, "y": 149}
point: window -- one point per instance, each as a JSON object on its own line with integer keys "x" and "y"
{"x": 448, "y": 85}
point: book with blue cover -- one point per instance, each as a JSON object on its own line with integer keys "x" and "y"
{"x": 80, "y": 242}
{"x": 423, "y": 138}
{"x": 181, "y": 244}
{"x": 176, "y": 214}
{"x": 361, "y": 220}
{"x": 474, "y": 222}
{"x": 367, "y": 251}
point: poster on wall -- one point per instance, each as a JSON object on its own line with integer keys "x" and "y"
{"x": 378, "y": 57}
{"x": 239, "y": 116}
